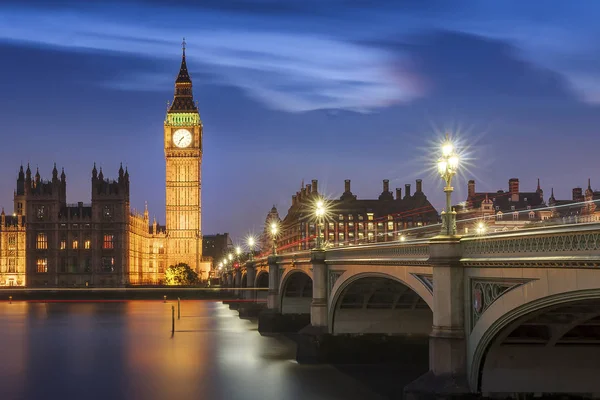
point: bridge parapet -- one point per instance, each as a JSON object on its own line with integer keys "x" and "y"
{"x": 393, "y": 253}
{"x": 552, "y": 247}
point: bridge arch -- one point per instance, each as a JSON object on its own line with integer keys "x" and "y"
{"x": 262, "y": 282}
{"x": 262, "y": 279}
{"x": 296, "y": 292}
{"x": 374, "y": 302}
{"x": 244, "y": 280}
{"x": 550, "y": 344}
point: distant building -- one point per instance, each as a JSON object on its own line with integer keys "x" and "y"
{"x": 216, "y": 246}
{"x": 352, "y": 221}
{"x": 265, "y": 240}
{"x": 513, "y": 209}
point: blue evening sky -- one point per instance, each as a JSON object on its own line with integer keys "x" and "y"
{"x": 301, "y": 89}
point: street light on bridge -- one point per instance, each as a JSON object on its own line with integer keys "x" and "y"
{"x": 274, "y": 229}
{"x": 251, "y": 242}
{"x": 320, "y": 212}
{"x": 447, "y": 165}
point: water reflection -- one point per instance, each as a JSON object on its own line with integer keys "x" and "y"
{"x": 125, "y": 351}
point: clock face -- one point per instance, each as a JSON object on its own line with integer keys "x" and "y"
{"x": 182, "y": 138}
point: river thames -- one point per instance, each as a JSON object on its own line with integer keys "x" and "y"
{"x": 125, "y": 350}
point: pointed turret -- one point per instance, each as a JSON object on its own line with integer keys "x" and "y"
{"x": 183, "y": 100}
{"x": 37, "y": 175}
{"x": 54, "y": 173}
{"x": 94, "y": 172}
{"x": 551, "y": 199}
{"x": 21, "y": 173}
{"x": 146, "y": 217}
{"x": 28, "y": 173}
{"x": 101, "y": 175}
{"x": 63, "y": 177}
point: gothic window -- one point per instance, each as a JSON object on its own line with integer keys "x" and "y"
{"x": 107, "y": 212}
{"x": 63, "y": 264}
{"x": 42, "y": 265}
{"x": 75, "y": 243}
{"x": 12, "y": 265}
{"x": 370, "y": 216}
{"x": 12, "y": 241}
{"x": 63, "y": 244}
{"x": 87, "y": 244}
{"x": 108, "y": 264}
{"x": 390, "y": 226}
{"x": 42, "y": 241}
{"x": 350, "y": 217}
{"x": 499, "y": 216}
{"x": 40, "y": 212}
{"x": 108, "y": 242}
{"x": 531, "y": 215}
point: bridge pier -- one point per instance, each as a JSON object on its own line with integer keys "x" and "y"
{"x": 447, "y": 374}
{"x": 250, "y": 308}
{"x": 318, "y": 307}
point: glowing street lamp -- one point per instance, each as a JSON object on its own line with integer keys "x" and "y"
{"x": 274, "y": 229}
{"x": 251, "y": 242}
{"x": 481, "y": 228}
{"x": 320, "y": 212}
{"x": 447, "y": 166}
{"x": 230, "y": 256}
{"x": 238, "y": 251}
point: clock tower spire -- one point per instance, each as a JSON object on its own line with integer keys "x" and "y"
{"x": 183, "y": 100}
{"x": 183, "y": 156}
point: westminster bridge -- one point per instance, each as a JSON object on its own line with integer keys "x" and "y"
{"x": 511, "y": 312}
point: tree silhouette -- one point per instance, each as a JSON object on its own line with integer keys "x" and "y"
{"x": 181, "y": 275}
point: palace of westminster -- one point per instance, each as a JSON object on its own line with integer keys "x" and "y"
{"x": 48, "y": 242}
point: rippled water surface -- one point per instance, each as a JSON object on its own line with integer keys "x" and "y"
{"x": 124, "y": 350}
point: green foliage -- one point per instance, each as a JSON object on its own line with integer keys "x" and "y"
{"x": 180, "y": 275}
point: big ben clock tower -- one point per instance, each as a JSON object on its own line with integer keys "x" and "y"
{"x": 183, "y": 154}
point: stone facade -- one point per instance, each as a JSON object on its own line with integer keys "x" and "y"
{"x": 351, "y": 221}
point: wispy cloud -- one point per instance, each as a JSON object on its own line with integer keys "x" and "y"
{"x": 292, "y": 71}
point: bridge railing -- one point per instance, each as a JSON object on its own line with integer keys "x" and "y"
{"x": 562, "y": 243}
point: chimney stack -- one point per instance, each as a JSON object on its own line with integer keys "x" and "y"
{"x": 419, "y": 186}
{"x": 471, "y": 190}
{"x": 407, "y": 190}
{"x": 398, "y": 194}
{"x": 577, "y": 194}
{"x": 308, "y": 189}
{"x": 513, "y": 188}
{"x": 314, "y": 186}
{"x": 347, "y": 186}
{"x": 386, "y": 185}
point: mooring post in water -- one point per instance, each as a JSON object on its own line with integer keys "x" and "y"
{"x": 165, "y": 298}
{"x": 172, "y": 320}
{"x": 178, "y": 308}
{"x": 9, "y": 299}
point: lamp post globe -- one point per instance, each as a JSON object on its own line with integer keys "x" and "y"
{"x": 251, "y": 242}
{"x": 319, "y": 213}
{"x": 447, "y": 166}
{"x": 274, "y": 229}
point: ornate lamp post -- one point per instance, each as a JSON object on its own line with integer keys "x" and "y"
{"x": 320, "y": 213}
{"x": 251, "y": 242}
{"x": 273, "y": 235}
{"x": 447, "y": 165}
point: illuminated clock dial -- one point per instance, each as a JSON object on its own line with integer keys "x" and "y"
{"x": 182, "y": 138}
